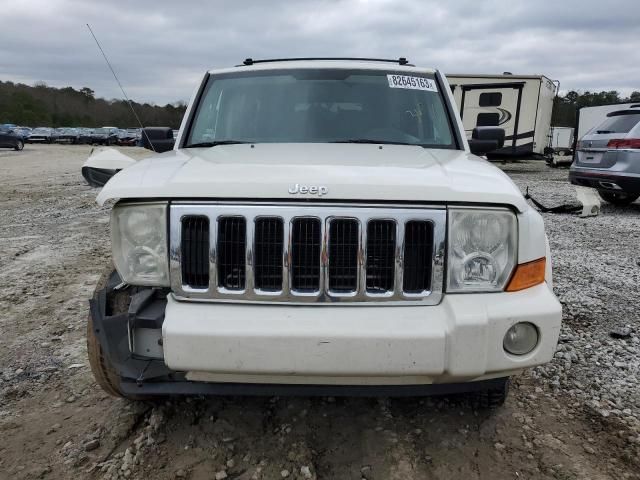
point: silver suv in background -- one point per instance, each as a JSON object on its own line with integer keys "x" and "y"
{"x": 608, "y": 158}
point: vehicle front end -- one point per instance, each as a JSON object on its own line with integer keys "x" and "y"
{"x": 39, "y": 135}
{"x": 293, "y": 253}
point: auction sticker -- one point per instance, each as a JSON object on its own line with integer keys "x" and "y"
{"x": 413, "y": 83}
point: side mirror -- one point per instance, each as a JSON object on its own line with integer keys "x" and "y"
{"x": 486, "y": 139}
{"x": 159, "y": 139}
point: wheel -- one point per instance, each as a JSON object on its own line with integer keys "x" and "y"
{"x": 103, "y": 371}
{"x": 618, "y": 198}
{"x": 495, "y": 397}
{"x": 19, "y": 146}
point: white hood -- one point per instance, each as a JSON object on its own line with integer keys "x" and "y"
{"x": 350, "y": 172}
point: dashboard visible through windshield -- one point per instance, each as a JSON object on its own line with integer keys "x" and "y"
{"x": 321, "y": 106}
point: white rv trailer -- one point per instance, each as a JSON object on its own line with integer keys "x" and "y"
{"x": 590, "y": 117}
{"x": 562, "y": 139}
{"x": 521, "y": 104}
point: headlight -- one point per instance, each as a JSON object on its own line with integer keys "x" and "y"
{"x": 139, "y": 239}
{"x": 482, "y": 249}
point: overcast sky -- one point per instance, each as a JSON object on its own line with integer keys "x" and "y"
{"x": 160, "y": 49}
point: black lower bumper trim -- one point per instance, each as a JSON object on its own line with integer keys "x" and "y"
{"x": 152, "y": 388}
{"x": 592, "y": 179}
{"x": 112, "y": 332}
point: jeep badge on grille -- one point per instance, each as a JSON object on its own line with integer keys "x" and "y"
{"x": 308, "y": 189}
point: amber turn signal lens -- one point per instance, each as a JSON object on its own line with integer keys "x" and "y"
{"x": 527, "y": 275}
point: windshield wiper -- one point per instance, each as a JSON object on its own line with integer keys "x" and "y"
{"x": 375, "y": 142}
{"x": 215, "y": 143}
{"x": 604, "y": 131}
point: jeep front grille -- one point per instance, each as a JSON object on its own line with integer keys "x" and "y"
{"x": 306, "y": 254}
{"x": 344, "y": 242}
{"x": 195, "y": 251}
{"x": 418, "y": 245}
{"x": 232, "y": 244}
{"x": 381, "y": 247}
{"x": 268, "y": 250}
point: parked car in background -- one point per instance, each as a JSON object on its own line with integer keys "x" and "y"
{"x": 126, "y": 137}
{"x": 84, "y": 135}
{"x": 68, "y": 135}
{"x": 608, "y": 158}
{"x": 55, "y": 134}
{"x": 136, "y": 132}
{"x": 10, "y": 138}
{"x": 23, "y": 132}
{"x": 40, "y": 135}
{"x": 104, "y": 135}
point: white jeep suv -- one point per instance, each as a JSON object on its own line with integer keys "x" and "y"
{"x": 322, "y": 226}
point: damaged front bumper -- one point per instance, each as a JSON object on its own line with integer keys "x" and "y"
{"x": 134, "y": 344}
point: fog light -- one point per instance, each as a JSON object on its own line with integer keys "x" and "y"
{"x": 521, "y": 338}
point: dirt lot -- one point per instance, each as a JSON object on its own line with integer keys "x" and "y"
{"x": 575, "y": 418}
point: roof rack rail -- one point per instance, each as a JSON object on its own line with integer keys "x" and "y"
{"x": 399, "y": 61}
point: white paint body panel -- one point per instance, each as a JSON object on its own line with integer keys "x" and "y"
{"x": 351, "y": 172}
{"x": 458, "y": 340}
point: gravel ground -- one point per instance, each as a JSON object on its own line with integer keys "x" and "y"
{"x": 574, "y": 418}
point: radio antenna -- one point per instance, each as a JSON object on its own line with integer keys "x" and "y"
{"x": 121, "y": 88}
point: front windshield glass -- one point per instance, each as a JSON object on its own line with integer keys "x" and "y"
{"x": 100, "y": 130}
{"x": 322, "y": 105}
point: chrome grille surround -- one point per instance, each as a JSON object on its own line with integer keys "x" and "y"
{"x": 398, "y": 214}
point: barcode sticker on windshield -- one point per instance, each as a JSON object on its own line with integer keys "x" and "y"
{"x": 413, "y": 83}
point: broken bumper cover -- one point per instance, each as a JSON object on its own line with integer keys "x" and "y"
{"x": 225, "y": 349}
{"x": 97, "y": 177}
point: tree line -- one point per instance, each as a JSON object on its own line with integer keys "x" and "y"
{"x": 565, "y": 107}
{"x": 43, "y": 106}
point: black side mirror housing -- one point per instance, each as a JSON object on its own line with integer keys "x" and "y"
{"x": 486, "y": 139}
{"x": 158, "y": 139}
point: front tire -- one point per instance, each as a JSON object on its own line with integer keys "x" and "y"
{"x": 19, "y": 146}
{"x": 103, "y": 372}
{"x": 618, "y": 198}
{"x": 495, "y": 397}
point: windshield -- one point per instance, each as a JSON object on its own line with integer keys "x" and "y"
{"x": 42, "y": 130}
{"x": 619, "y": 123}
{"x": 322, "y": 105}
{"x": 100, "y": 130}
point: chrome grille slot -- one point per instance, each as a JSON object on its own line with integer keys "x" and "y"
{"x": 344, "y": 243}
{"x": 268, "y": 251}
{"x": 195, "y": 251}
{"x": 381, "y": 246}
{"x": 232, "y": 242}
{"x": 303, "y": 253}
{"x": 418, "y": 248}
